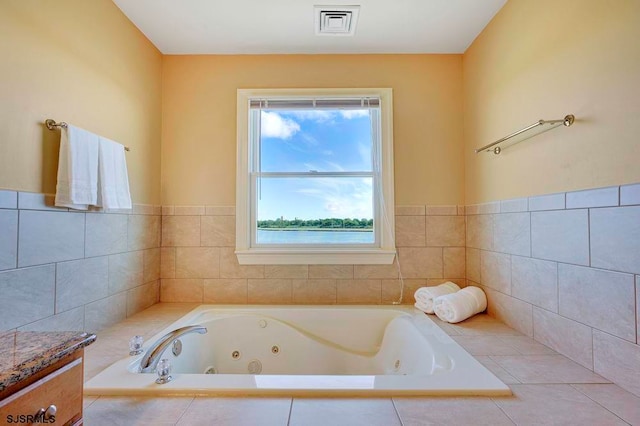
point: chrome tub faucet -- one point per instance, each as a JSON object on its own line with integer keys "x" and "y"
{"x": 151, "y": 358}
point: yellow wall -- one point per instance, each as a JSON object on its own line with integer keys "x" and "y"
{"x": 83, "y": 62}
{"x": 544, "y": 59}
{"x": 199, "y": 118}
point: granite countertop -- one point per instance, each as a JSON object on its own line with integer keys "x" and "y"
{"x": 24, "y": 353}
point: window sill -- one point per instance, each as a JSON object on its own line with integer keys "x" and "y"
{"x": 315, "y": 257}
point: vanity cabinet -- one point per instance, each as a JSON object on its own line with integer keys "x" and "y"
{"x": 54, "y": 399}
{"x": 42, "y": 382}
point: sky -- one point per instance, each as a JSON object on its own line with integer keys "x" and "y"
{"x": 320, "y": 140}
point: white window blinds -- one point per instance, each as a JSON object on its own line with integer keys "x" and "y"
{"x": 315, "y": 103}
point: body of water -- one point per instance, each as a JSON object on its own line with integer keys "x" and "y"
{"x": 266, "y": 236}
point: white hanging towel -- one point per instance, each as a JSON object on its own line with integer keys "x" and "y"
{"x": 425, "y": 295}
{"x": 459, "y": 306}
{"x": 113, "y": 183}
{"x": 77, "y": 186}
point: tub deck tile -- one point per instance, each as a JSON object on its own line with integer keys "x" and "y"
{"x": 554, "y": 405}
{"x": 622, "y": 403}
{"x": 450, "y": 411}
{"x": 547, "y": 369}
{"x": 236, "y": 412}
{"x": 571, "y": 397}
{"x": 325, "y": 411}
{"x": 133, "y": 411}
{"x": 500, "y": 372}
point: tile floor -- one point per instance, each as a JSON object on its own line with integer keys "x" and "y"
{"x": 548, "y": 389}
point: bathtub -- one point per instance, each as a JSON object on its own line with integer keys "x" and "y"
{"x": 307, "y": 350}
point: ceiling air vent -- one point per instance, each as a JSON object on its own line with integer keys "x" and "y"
{"x": 336, "y": 20}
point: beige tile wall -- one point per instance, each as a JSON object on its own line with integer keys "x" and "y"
{"x": 565, "y": 269}
{"x": 70, "y": 270}
{"x": 198, "y": 263}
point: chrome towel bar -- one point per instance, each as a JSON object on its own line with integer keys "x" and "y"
{"x": 52, "y": 125}
{"x": 566, "y": 121}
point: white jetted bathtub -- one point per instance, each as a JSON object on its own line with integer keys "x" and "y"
{"x": 304, "y": 350}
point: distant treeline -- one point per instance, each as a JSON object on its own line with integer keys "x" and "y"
{"x": 317, "y": 223}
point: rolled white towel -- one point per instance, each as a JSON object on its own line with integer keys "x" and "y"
{"x": 461, "y": 305}
{"x": 422, "y": 306}
{"x": 424, "y": 295}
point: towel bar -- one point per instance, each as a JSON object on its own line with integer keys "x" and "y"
{"x": 566, "y": 121}
{"x": 51, "y": 125}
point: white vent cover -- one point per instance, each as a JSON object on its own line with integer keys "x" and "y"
{"x": 336, "y": 20}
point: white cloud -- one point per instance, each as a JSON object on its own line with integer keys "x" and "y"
{"x": 310, "y": 166}
{"x": 319, "y": 197}
{"x": 341, "y": 197}
{"x": 334, "y": 167}
{"x": 275, "y": 126}
{"x": 349, "y": 114}
{"x": 309, "y": 191}
{"x": 355, "y": 205}
{"x": 309, "y": 139}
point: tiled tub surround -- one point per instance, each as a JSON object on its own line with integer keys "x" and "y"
{"x": 547, "y": 389}
{"x": 565, "y": 269}
{"x": 327, "y": 350}
{"x": 199, "y": 264}
{"x": 69, "y": 270}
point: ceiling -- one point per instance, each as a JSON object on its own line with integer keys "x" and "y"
{"x": 287, "y": 26}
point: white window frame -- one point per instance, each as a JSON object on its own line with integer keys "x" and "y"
{"x": 384, "y": 251}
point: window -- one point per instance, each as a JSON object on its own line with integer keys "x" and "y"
{"x": 314, "y": 176}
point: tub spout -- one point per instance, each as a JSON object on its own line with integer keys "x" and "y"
{"x": 152, "y": 356}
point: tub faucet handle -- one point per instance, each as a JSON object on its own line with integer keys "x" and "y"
{"x": 164, "y": 371}
{"x": 135, "y": 345}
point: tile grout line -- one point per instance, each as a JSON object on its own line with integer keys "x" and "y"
{"x": 17, "y": 263}
{"x": 90, "y": 404}
{"x": 393, "y": 403}
{"x": 593, "y": 400}
{"x": 290, "y": 411}
{"x": 160, "y": 247}
{"x": 619, "y": 195}
{"x": 530, "y": 235}
{"x": 637, "y": 289}
{"x": 500, "y": 408}
{"x": 84, "y": 240}
{"x": 185, "y": 410}
{"x": 55, "y": 291}
{"x": 558, "y": 298}
{"x": 589, "y": 236}
{"x": 593, "y": 358}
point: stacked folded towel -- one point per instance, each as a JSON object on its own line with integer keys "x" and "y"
{"x": 459, "y": 306}
{"x": 77, "y": 186}
{"x": 113, "y": 191}
{"x": 425, "y": 295}
{"x": 92, "y": 171}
